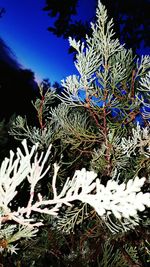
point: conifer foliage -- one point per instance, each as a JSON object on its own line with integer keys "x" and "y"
{"x": 85, "y": 171}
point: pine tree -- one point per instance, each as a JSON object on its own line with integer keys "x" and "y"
{"x": 99, "y": 137}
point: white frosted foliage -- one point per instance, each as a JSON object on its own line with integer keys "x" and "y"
{"x": 123, "y": 200}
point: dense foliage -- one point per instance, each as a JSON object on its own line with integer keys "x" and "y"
{"x": 99, "y": 132}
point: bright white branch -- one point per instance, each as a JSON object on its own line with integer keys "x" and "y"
{"x": 123, "y": 200}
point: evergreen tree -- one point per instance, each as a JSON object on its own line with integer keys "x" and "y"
{"x": 99, "y": 137}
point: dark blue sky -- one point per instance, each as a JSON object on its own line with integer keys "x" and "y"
{"x": 24, "y": 28}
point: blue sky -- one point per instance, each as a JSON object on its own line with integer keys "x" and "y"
{"x": 24, "y": 28}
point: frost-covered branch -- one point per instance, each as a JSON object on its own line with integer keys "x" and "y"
{"x": 123, "y": 200}
{"x": 140, "y": 138}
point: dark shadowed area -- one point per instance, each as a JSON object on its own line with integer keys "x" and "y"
{"x": 17, "y": 86}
